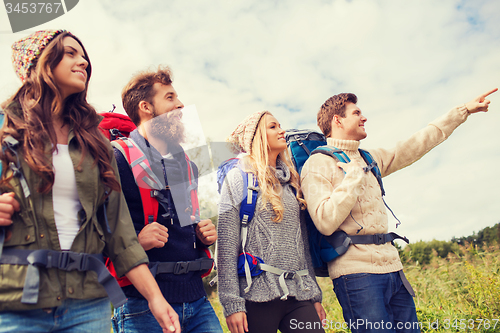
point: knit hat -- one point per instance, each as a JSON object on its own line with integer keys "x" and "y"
{"x": 26, "y": 51}
{"x": 242, "y": 136}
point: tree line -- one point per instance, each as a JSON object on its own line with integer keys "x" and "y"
{"x": 422, "y": 252}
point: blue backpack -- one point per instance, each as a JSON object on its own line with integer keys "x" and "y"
{"x": 325, "y": 248}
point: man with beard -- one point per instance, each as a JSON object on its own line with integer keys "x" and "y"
{"x": 174, "y": 241}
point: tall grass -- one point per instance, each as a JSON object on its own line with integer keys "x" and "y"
{"x": 459, "y": 293}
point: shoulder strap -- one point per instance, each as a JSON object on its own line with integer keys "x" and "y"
{"x": 250, "y": 193}
{"x": 372, "y": 166}
{"x": 247, "y": 210}
{"x": 192, "y": 189}
{"x": 146, "y": 180}
{"x": 332, "y": 152}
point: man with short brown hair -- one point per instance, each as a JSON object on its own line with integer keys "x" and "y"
{"x": 368, "y": 281}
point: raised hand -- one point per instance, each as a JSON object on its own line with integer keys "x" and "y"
{"x": 479, "y": 103}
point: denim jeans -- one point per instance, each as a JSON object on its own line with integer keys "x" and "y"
{"x": 79, "y": 316}
{"x": 376, "y": 303}
{"x": 135, "y": 316}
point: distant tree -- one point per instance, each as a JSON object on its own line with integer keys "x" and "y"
{"x": 487, "y": 236}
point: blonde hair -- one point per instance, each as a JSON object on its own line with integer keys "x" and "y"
{"x": 269, "y": 185}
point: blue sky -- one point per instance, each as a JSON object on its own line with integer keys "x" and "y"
{"x": 408, "y": 62}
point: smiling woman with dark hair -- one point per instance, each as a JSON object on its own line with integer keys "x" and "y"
{"x": 61, "y": 206}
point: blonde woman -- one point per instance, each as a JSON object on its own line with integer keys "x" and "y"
{"x": 285, "y": 295}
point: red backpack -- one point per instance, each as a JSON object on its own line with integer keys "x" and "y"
{"x": 116, "y": 125}
{"x": 117, "y": 128}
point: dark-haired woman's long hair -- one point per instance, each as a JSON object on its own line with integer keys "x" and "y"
{"x": 30, "y": 122}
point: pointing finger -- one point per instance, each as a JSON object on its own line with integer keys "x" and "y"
{"x": 489, "y": 93}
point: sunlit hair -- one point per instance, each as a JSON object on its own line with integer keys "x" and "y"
{"x": 269, "y": 185}
{"x": 140, "y": 88}
{"x": 40, "y": 100}
{"x": 335, "y": 105}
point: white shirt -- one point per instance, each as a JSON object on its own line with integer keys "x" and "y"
{"x": 65, "y": 197}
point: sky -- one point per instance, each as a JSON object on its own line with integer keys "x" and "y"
{"x": 408, "y": 63}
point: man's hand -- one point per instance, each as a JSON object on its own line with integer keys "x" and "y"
{"x": 153, "y": 235}
{"x": 205, "y": 230}
{"x": 237, "y": 322}
{"x": 8, "y": 205}
{"x": 321, "y": 312}
{"x": 479, "y": 103}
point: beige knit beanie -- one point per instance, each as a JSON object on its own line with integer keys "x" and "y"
{"x": 242, "y": 137}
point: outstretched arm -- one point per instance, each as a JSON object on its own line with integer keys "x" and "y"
{"x": 412, "y": 149}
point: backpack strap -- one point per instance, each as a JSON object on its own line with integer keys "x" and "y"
{"x": 193, "y": 190}
{"x": 65, "y": 261}
{"x": 372, "y": 166}
{"x": 247, "y": 210}
{"x": 377, "y": 239}
{"x": 181, "y": 267}
{"x": 147, "y": 182}
{"x": 11, "y": 144}
{"x": 286, "y": 275}
{"x": 332, "y": 152}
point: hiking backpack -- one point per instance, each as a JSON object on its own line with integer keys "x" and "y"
{"x": 115, "y": 125}
{"x": 325, "y": 248}
{"x": 118, "y": 127}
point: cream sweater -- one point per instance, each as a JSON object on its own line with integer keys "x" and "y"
{"x": 332, "y": 195}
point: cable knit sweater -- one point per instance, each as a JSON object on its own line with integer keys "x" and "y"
{"x": 332, "y": 195}
{"x": 282, "y": 244}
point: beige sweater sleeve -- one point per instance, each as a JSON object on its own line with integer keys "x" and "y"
{"x": 408, "y": 151}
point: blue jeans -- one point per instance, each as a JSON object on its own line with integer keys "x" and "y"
{"x": 135, "y": 316}
{"x": 80, "y": 316}
{"x": 376, "y": 303}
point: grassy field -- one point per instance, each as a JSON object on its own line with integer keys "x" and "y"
{"x": 460, "y": 293}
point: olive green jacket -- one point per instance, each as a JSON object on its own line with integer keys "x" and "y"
{"x": 34, "y": 228}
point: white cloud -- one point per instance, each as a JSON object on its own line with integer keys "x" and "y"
{"x": 407, "y": 62}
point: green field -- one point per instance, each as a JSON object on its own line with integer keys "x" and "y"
{"x": 458, "y": 293}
